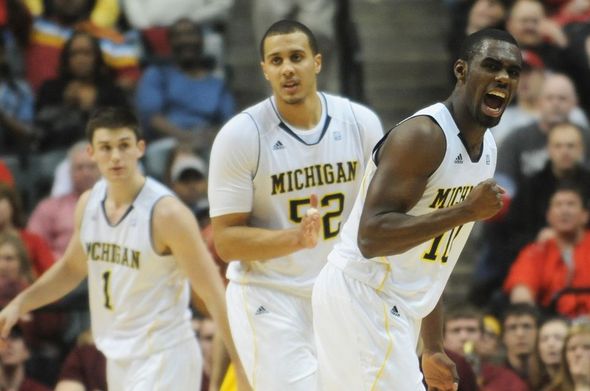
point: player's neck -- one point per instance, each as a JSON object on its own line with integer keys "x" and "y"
{"x": 305, "y": 114}
{"x": 122, "y": 193}
{"x": 472, "y": 132}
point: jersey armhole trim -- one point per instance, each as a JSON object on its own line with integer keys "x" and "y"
{"x": 259, "y": 136}
{"x": 358, "y": 127}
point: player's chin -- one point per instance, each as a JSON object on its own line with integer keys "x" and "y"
{"x": 488, "y": 121}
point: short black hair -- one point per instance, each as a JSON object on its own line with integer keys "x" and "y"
{"x": 113, "y": 117}
{"x": 288, "y": 26}
{"x": 472, "y": 44}
{"x": 571, "y": 186}
{"x": 521, "y": 309}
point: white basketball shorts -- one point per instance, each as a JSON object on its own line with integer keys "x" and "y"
{"x": 177, "y": 368}
{"x": 272, "y": 331}
{"x": 364, "y": 340}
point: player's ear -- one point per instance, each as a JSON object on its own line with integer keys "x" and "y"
{"x": 317, "y": 60}
{"x": 460, "y": 69}
{"x": 141, "y": 147}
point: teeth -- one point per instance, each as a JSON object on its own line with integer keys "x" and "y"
{"x": 498, "y": 94}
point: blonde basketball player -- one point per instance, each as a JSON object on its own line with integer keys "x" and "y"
{"x": 271, "y": 166}
{"x": 428, "y": 181}
{"x": 138, "y": 245}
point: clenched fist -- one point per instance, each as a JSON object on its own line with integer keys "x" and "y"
{"x": 485, "y": 200}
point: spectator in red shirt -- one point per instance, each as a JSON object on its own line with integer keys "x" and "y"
{"x": 11, "y": 221}
{"x": 562, "y": 260}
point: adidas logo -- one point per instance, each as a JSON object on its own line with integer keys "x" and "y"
{"x": 261, "y": 310}
{"x": 278, "y": 145}
{"x": 459, "y": 159}
{"x": 394, "y": 311}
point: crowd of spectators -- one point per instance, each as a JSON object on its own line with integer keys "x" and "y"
{"x": 61, "y": 59}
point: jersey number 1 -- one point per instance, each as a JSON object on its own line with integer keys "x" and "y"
{"x": 106, "y": 276}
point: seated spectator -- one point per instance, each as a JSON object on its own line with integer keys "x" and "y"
{"x": 60, "y": 20}
{"x": 15, "y": 267}
{"x": 15, "y": 26}
{"x": 527, "y": 211}
{"x": 183, "y": 100}
{"x": 188, "y": 179}
{"x": 153, "y": 17}
{"x": 53, "y": 219}
{"x": 490, "y": 342}
{"x": 574, "y": 374}
{"x": 16, "y": 108}
{"x": 13, "y": 357}
{"x": 534, "y": 32}
{"x": 84, "y": 367}
{"x": 559, "y": 260}
{"x": 520, "y": 324}
{"x": 463, "y": 333}
{"x": 524, "y": 150}
{"x": 84, "y": 84}
{"x": 11, "y": 221}
{"x": 547, "y": 361}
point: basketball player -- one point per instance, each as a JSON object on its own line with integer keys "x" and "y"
{"x": 427, "y": 182}
{"x": 138, "y": 244}
{"x": 283, "y": 177}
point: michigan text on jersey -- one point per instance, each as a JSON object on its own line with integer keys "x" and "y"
{"x": 312, "y": 176}
{"x": 450, "y": 196}
{"x": 113, "y": 253}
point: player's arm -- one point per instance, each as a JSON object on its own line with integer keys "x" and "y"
{"x": 176, "y": 230}
{"x": 407, "y": 158}
{"x": 439, "y": 370}
{"x": 234, "y": 239}
{"x": 55, "y": 283}
{"x": 233, "y": 166}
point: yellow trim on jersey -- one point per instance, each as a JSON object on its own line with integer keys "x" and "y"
{"x": 251, "y": 323}
{"x": 386, "y": 274}
{"x": 389, "y": 348}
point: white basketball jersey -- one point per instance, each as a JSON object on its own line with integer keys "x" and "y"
{"x": 289, "y": 171}
{"x": 138, "y": 298}
{"x": 418, "y": 276}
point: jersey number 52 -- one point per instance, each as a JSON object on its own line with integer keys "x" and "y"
{"x": 331, "y": 221}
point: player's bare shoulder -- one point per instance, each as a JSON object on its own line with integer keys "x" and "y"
{"x": 419, "y": 139}
{"x": 171, "y": 220}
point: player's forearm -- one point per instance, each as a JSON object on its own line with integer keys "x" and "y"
{"x": 432, "y": 329}
{"x": 394, "y": 233}
{"x": 55, "y": 283}
{"x": 255, "y": 244}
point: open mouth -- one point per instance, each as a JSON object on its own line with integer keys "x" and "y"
{"x": 493, "y": 102}
{"x": 290, "y": 85}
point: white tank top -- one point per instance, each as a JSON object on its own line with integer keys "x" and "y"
{"x": 417, "y": 277}
{"x": 289, "y": 170}
{"x": 138, "y": 298}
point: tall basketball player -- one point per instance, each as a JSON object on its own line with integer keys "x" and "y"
{"x": 428, "y": 180}
{"x": 137, "y": 244}
{"x": 283, "y": 177}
